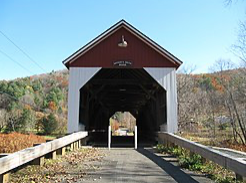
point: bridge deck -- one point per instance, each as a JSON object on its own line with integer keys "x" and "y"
{"x": 129, "y": 165}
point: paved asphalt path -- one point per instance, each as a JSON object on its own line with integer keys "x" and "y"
{"x": 142, "y": 165}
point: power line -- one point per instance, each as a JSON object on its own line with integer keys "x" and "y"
{"x": 23, "y": 67}
{"x": 30, "y": 58}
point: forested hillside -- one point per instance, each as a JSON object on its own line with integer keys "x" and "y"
{"x": 208, "y": 103}
{"x": 36, "y": 103}
{"x": 214, "y": 104}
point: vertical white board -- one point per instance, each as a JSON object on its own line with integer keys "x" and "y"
{"x": 166, "y": 77}
{"x": 78, "y": 77}
{"x": 109, "y": 137}
{"x": 136, "y": 137}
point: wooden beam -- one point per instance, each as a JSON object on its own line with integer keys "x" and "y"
{"x": 22, "y": 157}
{"x": 147, "y": 92}
{"x": 125, "y": 99}
{"x": 96, "y": 92}
{"x": 118, "y": 82}
{"x": 229, "y": 162}
{"x": 4, "y": 178}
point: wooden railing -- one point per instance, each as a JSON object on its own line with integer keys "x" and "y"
{"x": 36, "y": 154}
{"x": 237, "y": 165}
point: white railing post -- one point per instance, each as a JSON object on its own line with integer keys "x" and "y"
{"x": 136, "y": 137}
{"x": 109, "y": 137}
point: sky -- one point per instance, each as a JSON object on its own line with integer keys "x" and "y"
{"x": 198, "y": 32}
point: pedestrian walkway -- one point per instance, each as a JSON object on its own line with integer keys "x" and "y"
{"x": 142, "y": 165}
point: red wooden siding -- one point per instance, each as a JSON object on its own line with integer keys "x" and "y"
{"x": 106, "y": 52}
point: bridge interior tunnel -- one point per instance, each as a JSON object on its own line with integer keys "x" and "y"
{"x": 133, "y": 90}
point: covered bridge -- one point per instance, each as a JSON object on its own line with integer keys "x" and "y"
{"x": 122, "y": 70}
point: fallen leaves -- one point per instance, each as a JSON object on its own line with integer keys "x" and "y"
{"x": 67, "y": 169}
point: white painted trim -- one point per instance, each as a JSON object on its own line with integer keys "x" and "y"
{"x": 166, "y": 77}
{"x": 89, "y": 46}
{"x": 78, "y": 77}
{"x": 136, "y": 137}
{"x": 154, "y": 45}
{"x": 109, "y": 137}
{"x": 133, "y": 30}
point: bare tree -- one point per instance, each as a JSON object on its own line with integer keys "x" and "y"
{"x": 3, "y": 122}
{"x": 229, "y": 2}
{"x": 234, "y": 97}
{"x": 184, "y": 88}
{"x": 239, "y": 48}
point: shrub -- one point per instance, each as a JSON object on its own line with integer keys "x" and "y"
{"x": 14, "y": 141}
{"x": 192, "y": 162}
{"x": 20, "y": 123}
{"x": 49, "y": 124}
{"x": 223, "y": 126}
{"x": 161, "y": 148}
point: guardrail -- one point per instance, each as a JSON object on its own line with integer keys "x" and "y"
{"x": 237, "y": 165}
{"x": 36, "y": 154}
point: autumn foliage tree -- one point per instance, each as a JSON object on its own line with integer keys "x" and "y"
{"x": 21, "y": 99}
{"x": 49, "y": 124}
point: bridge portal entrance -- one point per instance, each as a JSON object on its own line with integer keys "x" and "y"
{"x": 122, "y": 129}
{"x": 122, "y": 70}
{"x": 112, "y": 91}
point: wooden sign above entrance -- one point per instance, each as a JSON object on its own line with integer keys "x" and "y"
{"x": 122, "y": 63}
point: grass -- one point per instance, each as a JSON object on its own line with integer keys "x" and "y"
{"x": 13, "y": 142}
{"x": 223, "y": 138}
{"x": 49, "y": 137}
{"x": 195, "y": 162}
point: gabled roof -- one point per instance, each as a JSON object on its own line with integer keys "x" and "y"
{"x": 113, "y": 29}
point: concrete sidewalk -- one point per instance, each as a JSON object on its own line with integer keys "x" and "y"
{"x": 142, "y": 165}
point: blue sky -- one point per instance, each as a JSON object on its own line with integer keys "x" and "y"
{"x": 198, "y": 32}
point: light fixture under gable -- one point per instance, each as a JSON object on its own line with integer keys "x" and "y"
{"x": 123, "y": 43}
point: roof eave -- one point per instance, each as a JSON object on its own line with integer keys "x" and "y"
{"x": 110, "y": 31}
{"x": 100, "y": 38}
